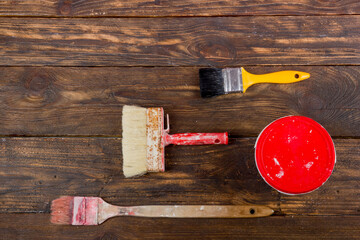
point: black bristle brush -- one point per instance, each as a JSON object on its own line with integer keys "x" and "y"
{"x": 219, "y": 81}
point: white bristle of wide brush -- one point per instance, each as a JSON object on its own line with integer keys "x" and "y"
{"x": 134, "y": 142}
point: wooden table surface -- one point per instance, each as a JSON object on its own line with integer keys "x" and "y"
{"x": 68, "y": 67}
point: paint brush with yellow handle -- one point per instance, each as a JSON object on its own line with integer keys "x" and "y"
{"x": 219, "y": 81}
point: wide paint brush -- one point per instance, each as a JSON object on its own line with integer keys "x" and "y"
{"x": 69, "y": 210}
{"x": 219, "y": 81}
{"x": 144, "y": 140}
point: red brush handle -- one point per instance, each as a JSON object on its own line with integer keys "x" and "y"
{"x": 196, "y": 138}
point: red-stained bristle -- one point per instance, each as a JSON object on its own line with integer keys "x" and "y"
{"x": 62, "y": 210}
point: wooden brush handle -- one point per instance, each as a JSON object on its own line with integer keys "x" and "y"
{"x": 106, "y": 211}
{"x": 198, "y": 211}
{"x": 196, "y": 138}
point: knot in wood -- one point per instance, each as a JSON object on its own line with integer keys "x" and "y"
{"x": 215, "y": 49}
{"x": 311, "y": 102}
{"x": 37, "y": 83}
{"x": 39, "y": 88}
{"x": 65, "y": 7}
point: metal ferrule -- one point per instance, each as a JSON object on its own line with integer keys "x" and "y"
{"x": 85, "y": 211}
{"x": 232, "y": 80}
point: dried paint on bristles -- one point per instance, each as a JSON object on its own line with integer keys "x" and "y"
{"x": 75, "y": 210}
{"x": 62, "y": 210}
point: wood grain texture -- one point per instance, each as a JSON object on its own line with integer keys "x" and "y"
{"x": 35, "y": 226}
{"x": 83, "y": 101}
{"x": 67, "y": 67}
{"x": 217, "y": 41}
{"x": 43, "y": 169}
{"x": 35, "y": 171}
{"x": 161, "y": 8}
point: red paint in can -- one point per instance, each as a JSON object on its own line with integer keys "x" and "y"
{"x": 295, "y": 155}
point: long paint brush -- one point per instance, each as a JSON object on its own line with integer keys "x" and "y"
{"x": 144, "y": 140}
{"x": 69, "y": 210}
{"x": 219, "y": 81}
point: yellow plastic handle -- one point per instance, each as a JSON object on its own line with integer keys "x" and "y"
{"x": 275, "y": 77}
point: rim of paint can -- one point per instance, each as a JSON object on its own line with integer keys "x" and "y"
{"x": 295, "y": 155}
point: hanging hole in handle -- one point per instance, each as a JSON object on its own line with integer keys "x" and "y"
{"x": 252, "y": 211}
{"x": 297, "y": 75}
{"x": 217, "y": 141}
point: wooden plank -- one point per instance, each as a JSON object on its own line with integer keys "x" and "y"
{"x": 218, "y": 41}
{"x": 88, "y": 101}
{"x": 35, "y": 226}
{"x": 35, "y": 171}
{"x": 160, "y": 8}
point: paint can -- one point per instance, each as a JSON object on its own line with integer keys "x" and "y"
{"x": 295, "y": 155}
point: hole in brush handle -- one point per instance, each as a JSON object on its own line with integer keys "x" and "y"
{"x": 252, "y": 211}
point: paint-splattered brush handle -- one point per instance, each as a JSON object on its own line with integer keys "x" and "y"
{"x": 94, "y": 210}
{"x": 190, "y": 211}
{"x": 196, "y": 138}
